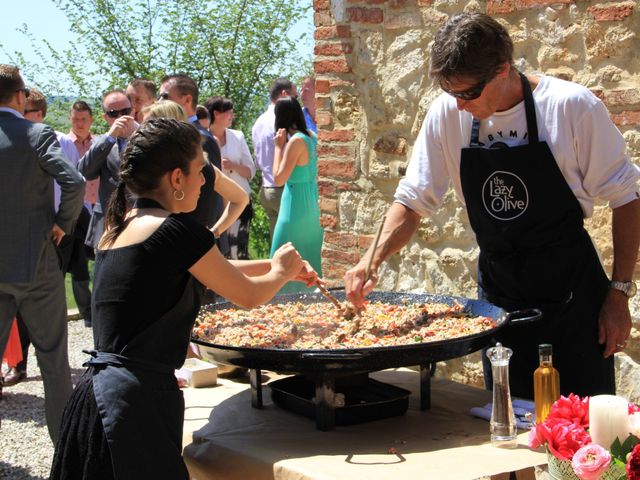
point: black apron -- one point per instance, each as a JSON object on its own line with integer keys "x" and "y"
{"x": 535, "y": 252}
{"x": 140, "y": 404}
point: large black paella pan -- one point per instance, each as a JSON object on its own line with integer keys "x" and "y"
{"x": 365, "y": 359}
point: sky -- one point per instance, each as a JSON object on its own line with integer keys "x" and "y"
{"x": 45, "y": 21}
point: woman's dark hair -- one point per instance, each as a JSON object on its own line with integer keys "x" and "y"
{"x": 470, "y": 46}
{"x": 217, "y": 104}
{"x": 158, "y": 147}
{"x": 289, "y": 115}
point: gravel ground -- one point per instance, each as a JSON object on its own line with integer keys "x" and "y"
{"x": 26, "y": 450}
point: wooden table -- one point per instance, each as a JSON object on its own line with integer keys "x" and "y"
{"x": 227, "y": 439}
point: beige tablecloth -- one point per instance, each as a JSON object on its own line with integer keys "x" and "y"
{"x": 239, "y": 442}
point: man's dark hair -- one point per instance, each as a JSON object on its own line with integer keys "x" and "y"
{"x": 115, "y": 90}
{"x": 218, "y": 104}
{"x": 10, "y": 82}
{"x": 185, "y": 85}
{"x": 278, "y": 85}
{"x": 81, "y": 106}
{"x": 289, "y": 115}
{"x": 470, "y": 46}
{"x": 147, "y": 84}
{"x": 37, "y": 101}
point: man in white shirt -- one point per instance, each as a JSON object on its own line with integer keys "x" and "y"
{"x": 262, "y": 134}
{"x": 528, "y": 156}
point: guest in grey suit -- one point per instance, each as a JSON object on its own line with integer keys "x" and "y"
{"x": 31, "y": 282}
{"x": 103, "y": 158}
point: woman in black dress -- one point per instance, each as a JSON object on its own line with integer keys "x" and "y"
{"x": 124, "y": 419}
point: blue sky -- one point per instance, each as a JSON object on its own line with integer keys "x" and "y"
{"x": 45, "y": 21}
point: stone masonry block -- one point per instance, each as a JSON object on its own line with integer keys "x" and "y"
{"x": 611, "y": 12}
{"x": 321, "y": 5}
{"x": 497, "y": 7}
{"x": 336, "y": 135}
{"x": 346, "y": 257}
{"x": 334, "y": 168}
{"x": 326, "y": 188}
{"x": 322, "y": 86}
{"x": 332, "y": 49}
{"x": 329, "y": 205}
{"x": 528, "y": 4}
{"x": 331, "y": 66}
{"x": 324, "y": 119}
{"x": 622, "y": 97}
{"x": 626, "y": 118}
{"x": 364, "y": 15}
{"x": 391, "y": 145}
{"x": 322, "y": 19}
{"x": 341, "y": 239}
{"x": 328, "y": 221}
{"x": 402, "y": 20}
{"x": 334, "y": 31}
{"x": 335, "y": 151}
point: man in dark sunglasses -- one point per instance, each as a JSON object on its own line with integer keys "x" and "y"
{"x": 102, "y": 160}
{"x": 529, "y": 155}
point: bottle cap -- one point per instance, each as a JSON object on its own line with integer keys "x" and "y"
{"x": 545, "y": 349}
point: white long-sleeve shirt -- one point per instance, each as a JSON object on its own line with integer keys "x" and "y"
{"x": 263, "y": 144}
{"x": 589, "y": 149}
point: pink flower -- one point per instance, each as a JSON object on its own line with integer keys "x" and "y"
{"x": 571, "y": 408}
{"x": 562, "y": 437}
{"x": 534, "y": 441}
{"x": 590, "y": 462}
{"x": 633, "y": 408}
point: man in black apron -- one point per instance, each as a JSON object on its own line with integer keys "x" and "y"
{"x": 528, "y": 222}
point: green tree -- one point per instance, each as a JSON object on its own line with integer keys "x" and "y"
{"x": 233, "y": 48}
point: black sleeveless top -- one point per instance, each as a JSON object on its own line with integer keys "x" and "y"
{"x": 137, "y": 284}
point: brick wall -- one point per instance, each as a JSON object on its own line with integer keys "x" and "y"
{"x": 371, "y": 63}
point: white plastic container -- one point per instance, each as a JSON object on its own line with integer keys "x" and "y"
{"x": 198, "y": 373}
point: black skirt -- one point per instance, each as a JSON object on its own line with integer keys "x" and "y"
{"x": 82, "y": 451}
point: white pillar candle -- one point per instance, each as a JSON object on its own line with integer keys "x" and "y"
{"x": 608, "y": 419}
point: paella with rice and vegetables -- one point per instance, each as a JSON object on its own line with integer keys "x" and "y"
{"x": 302, "y": 326}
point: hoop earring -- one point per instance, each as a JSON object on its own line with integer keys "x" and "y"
{"x": 175, "y": 192}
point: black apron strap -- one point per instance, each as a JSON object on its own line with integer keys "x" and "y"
{"x": 475, "y": 133}
{"x": 532, "y": 123}
{"x": 104, "y": 359}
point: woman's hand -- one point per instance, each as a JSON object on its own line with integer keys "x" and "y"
{"x": 287, "y": 261}
{"x": 308, "y": 275}
{"x": 280, "y": 138}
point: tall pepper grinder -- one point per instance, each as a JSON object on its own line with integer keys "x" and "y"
{"x": 503, "y": 421}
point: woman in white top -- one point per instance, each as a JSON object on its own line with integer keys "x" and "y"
{"x": 237, "y": 164}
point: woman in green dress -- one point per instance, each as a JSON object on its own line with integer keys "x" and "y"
{"x": 295, "y": 165}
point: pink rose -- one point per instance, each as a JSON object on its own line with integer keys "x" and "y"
{"x": 563, "y": 438}
{"x": 590, "y": 462}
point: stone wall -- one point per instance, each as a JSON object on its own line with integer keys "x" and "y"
{"x": 372, "y": 89}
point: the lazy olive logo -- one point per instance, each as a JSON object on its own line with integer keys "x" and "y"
{"x": 505, "y": 195}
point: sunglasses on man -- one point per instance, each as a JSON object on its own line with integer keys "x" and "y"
{"x": 470, "y": 93}
{"x": 118, "y": 113}
{"x": 163, "y": 96}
